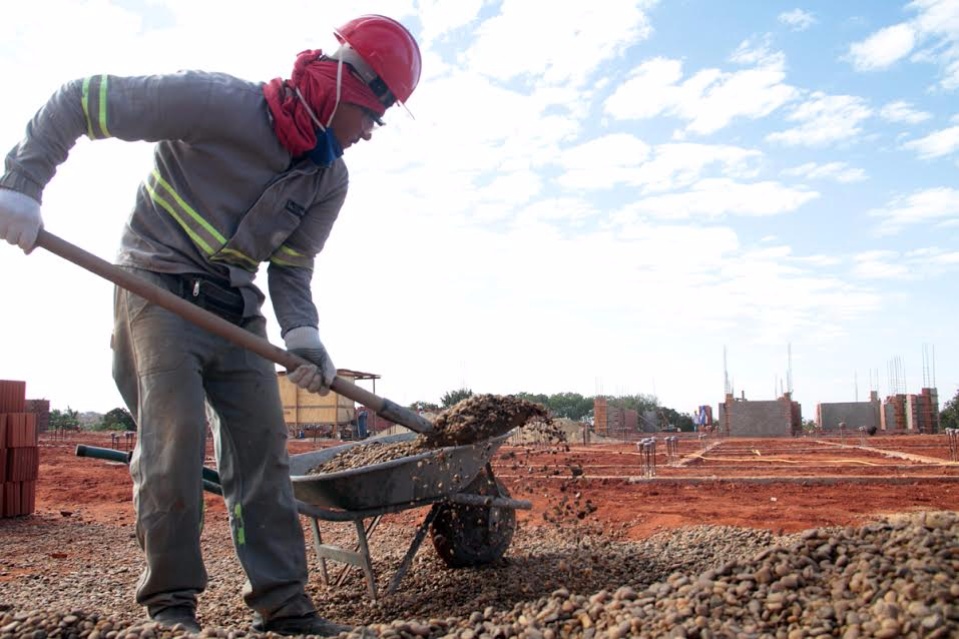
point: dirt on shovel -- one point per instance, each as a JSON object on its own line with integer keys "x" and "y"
{"x": 474, "y": 419}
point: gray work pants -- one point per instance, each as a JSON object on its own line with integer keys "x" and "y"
{"x": 166, "y": 368}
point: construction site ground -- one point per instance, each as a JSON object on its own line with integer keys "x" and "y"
{"x": 778, "y": 485}
{"x": 771, "y": 483}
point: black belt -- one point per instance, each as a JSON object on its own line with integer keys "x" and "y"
{"x": 207, "y": 293}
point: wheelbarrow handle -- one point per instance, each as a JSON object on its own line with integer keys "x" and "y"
{"x": 219, "y": 326}
{"x": 124, "y": 457}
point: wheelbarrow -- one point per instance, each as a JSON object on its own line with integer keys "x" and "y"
{"x": 471, "y": 520}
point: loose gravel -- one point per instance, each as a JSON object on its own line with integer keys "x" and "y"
{"x": 64, "y": 577}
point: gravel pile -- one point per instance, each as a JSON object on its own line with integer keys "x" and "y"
{"x": 896, "y": 578}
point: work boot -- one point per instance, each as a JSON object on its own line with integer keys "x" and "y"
{"x": 183, "y": 616}
{"x": 311, "y": 624}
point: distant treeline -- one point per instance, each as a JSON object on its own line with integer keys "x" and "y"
{"x": 575, "y": 406}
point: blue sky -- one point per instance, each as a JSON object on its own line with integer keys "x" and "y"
{"x": 599, "y": 198}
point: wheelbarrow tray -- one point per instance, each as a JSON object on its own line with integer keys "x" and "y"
{"x": 416, "y": 479}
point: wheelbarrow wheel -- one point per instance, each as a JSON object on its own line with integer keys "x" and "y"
{"x": 465, "y": 535}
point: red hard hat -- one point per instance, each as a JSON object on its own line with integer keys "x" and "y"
{"x": 390, "y": 51}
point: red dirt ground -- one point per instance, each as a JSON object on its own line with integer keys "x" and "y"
{"x": 739, "y": 483}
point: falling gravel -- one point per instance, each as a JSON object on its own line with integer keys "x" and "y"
{"x": 893, "y": 578}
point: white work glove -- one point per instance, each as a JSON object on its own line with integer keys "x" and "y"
{"x": 318, "y": 375}
{"x": 20, "y": 220}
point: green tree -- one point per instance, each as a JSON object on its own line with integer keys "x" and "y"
{"x": 536, "y": 398}
{"x": 682, "y": 421}
{"x": 640, "y": 403}
{"x": 455, "y": 396}
{"x": 570, "y": 406}
{"x": 949, "y": 416}
{"x": 118, "y": 419}
{"x": 64, "y": 420}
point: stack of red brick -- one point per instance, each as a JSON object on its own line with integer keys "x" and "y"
{"x": 19, "y": 453}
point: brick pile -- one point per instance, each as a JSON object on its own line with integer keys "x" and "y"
{"x": 19, "y": 452}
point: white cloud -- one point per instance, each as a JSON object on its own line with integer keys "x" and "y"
{"x": 655, "y": 82}
{"x": 710, "y": 99}
{"x": 915, "y": 264}
{"x": 936, "y": 205}
{"x": 883, "y": 48}
{"x": 759, "y": 53}
{"x": 934, "y": 258}
{"x": 440, "y": 18}
{"x": 559, "y": 45}
{"x": 936, "y": 144}
{"x": 678, "y": 165}
{"x": 838, "y": 171}
{"x": 902, "y": 111}
{"x": 879, "y": 265}
{"x": 717, "y": 197}
{"x": 798, "y": 19}
{"x": 603, "y": 162}
{"x": 621, "y": 159}
{"x": 824, "y": 119}
{"x": 931, "y": 36}
{"x": 563, "y": 211}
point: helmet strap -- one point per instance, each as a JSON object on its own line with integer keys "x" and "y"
{"x": 348, "y": 54}
{"x": 336, "y": 104}
{"x": 309, "y": 111}
{"x": 339, "y": 89}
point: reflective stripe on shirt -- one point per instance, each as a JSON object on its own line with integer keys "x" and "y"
{"x": 210, "y": 241}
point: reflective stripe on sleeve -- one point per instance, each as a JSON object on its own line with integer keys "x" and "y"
{"x": 94, "y": 102}
{"x": 285, "y": 256}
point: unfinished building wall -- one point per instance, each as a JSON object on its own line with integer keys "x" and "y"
{"x": 615, "y": 421}
{"x": 893, "y": 414}
{"x": 599, "y": 416}
{"x": 758, "y": 419}
{"x": 854, "y": 414}
{"x": 929, "y": 410}
{"x": 922, "y": 412}
{"x": 631, "y": 420}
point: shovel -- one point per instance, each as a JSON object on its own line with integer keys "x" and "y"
{"x": 219, "y": 326}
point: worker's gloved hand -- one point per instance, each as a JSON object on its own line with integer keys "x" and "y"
{"x": 318, "y": 376}
{"x": 20, "y": 220}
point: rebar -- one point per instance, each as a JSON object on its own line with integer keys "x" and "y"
{"x": 953, "y": 435}
{"x": 672, "y": 449}
{"x": 647, "y": 447}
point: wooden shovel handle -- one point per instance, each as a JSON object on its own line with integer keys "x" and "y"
{"x": 219, "y": 326}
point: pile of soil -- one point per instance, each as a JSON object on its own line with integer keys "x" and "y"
{"x": 474, "y": 419}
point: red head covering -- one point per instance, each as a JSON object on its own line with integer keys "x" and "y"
{"x": 316, "y": 80}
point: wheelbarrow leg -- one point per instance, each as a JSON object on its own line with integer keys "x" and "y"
{"x": 360, "y": 558}
{"x": 411, "y": 552}
{"x": 341, "y": 578}
{"x": 318, "y": 544}
{"x": 365, "y": 562}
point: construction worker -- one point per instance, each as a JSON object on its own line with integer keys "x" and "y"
{"x": 244, "y": 173}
